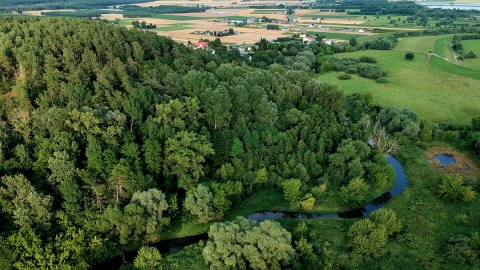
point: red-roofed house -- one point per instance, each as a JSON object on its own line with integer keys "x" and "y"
{"x": 308, "y": 39}
{"x": 201, "y": 45}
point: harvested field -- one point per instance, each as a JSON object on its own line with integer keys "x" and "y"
{"x": 39, "y": 12}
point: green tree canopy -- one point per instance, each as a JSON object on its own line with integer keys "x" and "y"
{"x": 242, "y": 244}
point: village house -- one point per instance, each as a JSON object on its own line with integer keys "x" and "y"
{"x": 308, "y": 39}
{"x": 201, "y": 45}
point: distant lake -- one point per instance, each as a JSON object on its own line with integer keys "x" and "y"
{"x": 446, "y": 5}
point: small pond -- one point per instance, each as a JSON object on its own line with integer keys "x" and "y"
{"x": 444, "y": 159}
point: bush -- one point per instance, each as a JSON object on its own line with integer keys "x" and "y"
{"x": 469, "y": 55}
{"x": 381, "y": 80}
{"x": 344, "y": 77}
{"x": 368, "y": 59}
{"x": 351, "y": 70}
{"x": 409, "y": 56}
{"x": 371, "y": 72}
{"x": 452, "y": 189}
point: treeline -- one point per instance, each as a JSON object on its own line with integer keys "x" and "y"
{"x": 109, "y": 135}
{"x": 132, "y": 11}
{"x": 76, "y": 14}
{"x": 20, "y": 5}
{"x": 143, "y": 25}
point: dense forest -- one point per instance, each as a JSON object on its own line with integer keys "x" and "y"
{"x": 111, "y": 138}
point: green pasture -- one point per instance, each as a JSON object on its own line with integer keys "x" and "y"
{"x": 437, "y": 92}
{"x": 422, "y": 44}
{"x": 456, "y": 69}
{"x": 442, "y": 47}
{"x": 178, "y": 17}
{"x": 237, "y": 18}
{"x": 474, "y": 46}
{"x": 173, "y": 27}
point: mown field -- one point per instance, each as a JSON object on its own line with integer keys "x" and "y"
{"x": 438, "y": 92}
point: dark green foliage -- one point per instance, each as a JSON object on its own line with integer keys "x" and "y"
{"x": 75, "y": 14}
{"x": 368, "y": 59}
{"x": 273, "y": 27}
{"x": 344, "y": 77}
{"x": 409, "y": 56}
{"x": 9, "y": 5}
{"x": 107, "y": 133}
{"x": 371, "y": 72}
{"x": 396, "y": 120}
{"x": 462, "y": 250}
{"x": 381, "y": 80}
{"x": 469, "y": 55}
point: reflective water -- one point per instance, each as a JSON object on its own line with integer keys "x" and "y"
{"x": 445, "y": 159}
{"x": 400, "y": 185}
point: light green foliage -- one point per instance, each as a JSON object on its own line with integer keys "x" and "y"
{"x": 20, "y": 199}
{"x": 307, "y": 203}
{"x": 291, "y": 190}
{"x": 452, "y": 189}
{"x": 155, "y": 204}
{"x": 242, "y": 244}
{"x": 354, "y": 194}
{"x": 148, "y": 258}
{"x": 73, "y": 249}
{"x": 200, "y": 203}
{"x": 184, "y": 154}
{"x": 367, "y": 238}
{"x": 388, "y": 218}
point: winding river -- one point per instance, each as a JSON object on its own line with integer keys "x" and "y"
{"x": 172, "y": 245}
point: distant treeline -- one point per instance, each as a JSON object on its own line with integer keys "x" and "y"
{"x": 144, "y": 12}
{"x": 20, "y": 5}
{"x": 76, "y": 14}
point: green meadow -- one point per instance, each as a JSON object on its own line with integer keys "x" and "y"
{"x": 474, "y": 46}
{"x": 174, "y": 27}
{"x": 420, "y": 44}
{"x": 438, "y": 92}
{"x": 177, "y": 17}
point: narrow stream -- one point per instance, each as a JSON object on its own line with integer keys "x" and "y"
{"x": 173, "y": 245}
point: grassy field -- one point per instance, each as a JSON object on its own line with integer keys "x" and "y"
{"x": 174, "y": 27}
{"x": 419, "y": 44}
{"x": 442, "y": 47}
{"x": 178, "y": 17}
{"x": 436, "y": 93}
{"x": 474, "y": 46}
{"x": 455, "y": 69}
